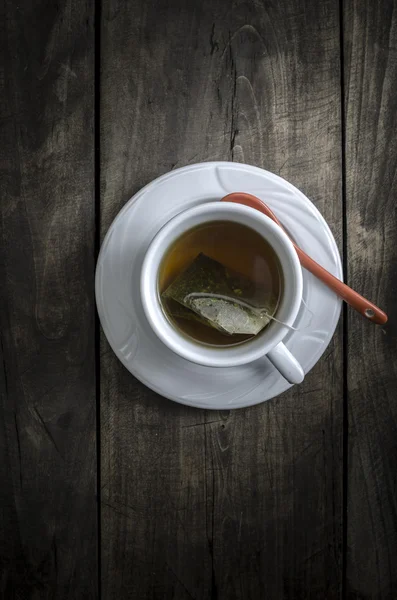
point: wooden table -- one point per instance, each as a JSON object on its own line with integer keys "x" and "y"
{"x": 106, "y": 489}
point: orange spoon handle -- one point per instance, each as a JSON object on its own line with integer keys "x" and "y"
{"x": 362, "y": 305}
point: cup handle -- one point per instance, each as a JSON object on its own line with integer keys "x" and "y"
{"x": 287, "y": 364}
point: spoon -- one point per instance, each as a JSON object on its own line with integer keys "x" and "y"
{"x": 359, "y": 303}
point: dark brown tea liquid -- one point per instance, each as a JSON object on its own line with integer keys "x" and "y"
{"x": 238, "y": 248}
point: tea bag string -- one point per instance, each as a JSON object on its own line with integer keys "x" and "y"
{"x": 257, "y": 311}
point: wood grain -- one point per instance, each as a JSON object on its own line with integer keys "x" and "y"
{"x": 371, "y": 160}
{"x": 48, "y": 533}
{"x": 245, "y": 504}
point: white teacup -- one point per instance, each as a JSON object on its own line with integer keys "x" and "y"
{"x": 269, "y": 341}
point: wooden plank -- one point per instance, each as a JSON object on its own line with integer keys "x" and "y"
{"x": 371, "y": 160}
{"x": 48, "y": 522}
{"x": 244, "y": 504}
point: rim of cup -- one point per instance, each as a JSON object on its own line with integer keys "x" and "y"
{"x": 271, "y": 335}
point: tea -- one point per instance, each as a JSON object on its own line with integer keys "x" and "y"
{"x": 220, "y": 283}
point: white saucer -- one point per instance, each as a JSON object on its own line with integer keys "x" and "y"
{"x": 118, "y": 297}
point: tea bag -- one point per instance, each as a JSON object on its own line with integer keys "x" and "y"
{"x": 224, "y": 299}
{"x": 181, "y": 312}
